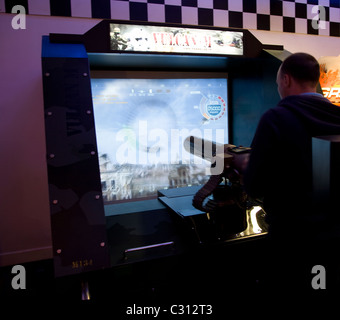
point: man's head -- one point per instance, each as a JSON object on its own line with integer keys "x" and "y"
{"x": 297, "y": 74}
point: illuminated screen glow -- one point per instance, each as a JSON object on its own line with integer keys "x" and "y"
{"x": 141, "y": 124}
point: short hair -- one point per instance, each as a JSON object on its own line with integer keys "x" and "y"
{"x": 302, "y": 67}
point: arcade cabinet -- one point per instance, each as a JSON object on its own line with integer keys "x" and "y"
{"x": 119, "y": 102}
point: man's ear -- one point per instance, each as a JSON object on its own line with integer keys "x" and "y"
{"x": 287, "y": 80}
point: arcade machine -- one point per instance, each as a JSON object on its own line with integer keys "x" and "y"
{"x": 135, "y": 115}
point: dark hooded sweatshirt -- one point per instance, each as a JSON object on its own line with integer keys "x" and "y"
{"x": 280, "y": 165}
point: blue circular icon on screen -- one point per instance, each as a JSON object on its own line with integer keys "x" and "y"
{"x": 213, "y": 107}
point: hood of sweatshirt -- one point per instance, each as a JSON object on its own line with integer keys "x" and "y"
{"x": 315, "y": 111}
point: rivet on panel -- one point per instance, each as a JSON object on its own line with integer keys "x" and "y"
{"x": 88, "y": 112}
{"x": 49, "y": 113}
{"x": 85, "y": 74}
{"x": 47, "y": 74}
{"x": 97, "y": 196}
{"x": 102, "y": 244}
{"x": 55, "y": 201}
{"x": 59, "y": 251}
{"x": 52, "y": 156}
{"x": 93, "y": 153}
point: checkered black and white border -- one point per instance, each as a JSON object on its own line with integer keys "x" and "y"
{"x": 319, "y": 17}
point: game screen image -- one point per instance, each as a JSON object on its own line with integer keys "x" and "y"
{"x": 141, "y": 122}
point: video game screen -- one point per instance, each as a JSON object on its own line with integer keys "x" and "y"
{"x": 142, "y": 120}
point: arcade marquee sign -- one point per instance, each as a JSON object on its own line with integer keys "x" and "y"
{"x": 330, "y": 78}
{"x": 143, "y": 38}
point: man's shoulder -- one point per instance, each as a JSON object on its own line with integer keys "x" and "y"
{"x": 305, "y": 100}
{"x": 276, "y": 113}
{"x": 277, "y": 118}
